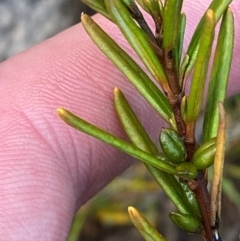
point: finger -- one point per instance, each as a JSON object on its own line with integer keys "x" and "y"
{"x": 47, "y": 167}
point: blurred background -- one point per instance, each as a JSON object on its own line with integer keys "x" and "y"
{"x": 28, "y": 22}
{"x": 104, "y": 218}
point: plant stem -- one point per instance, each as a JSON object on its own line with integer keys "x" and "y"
{"x": 171, "y": 71}
{"x": 175, "y": 102}
{"x": 199, "y": 187}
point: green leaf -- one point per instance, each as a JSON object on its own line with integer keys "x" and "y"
{"x": 218, "y": 168}
{"x": 219, "y": 76}
{"x": 139, "y": 41}
{"x": 140, "y": 138}
{"x": 179, "y": 42}
{"x": 194, "y": 101}
{"x": 218, "y": 7}
{"x": 145, "y": 228}
{"x": 129, "y": 68}
{"x": 131, "y": 124}
{"x": 114, "y": 141}
{"x": 99, "y": 6}
{"x": 171, "y": 19}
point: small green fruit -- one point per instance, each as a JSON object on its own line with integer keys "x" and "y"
{"x": 186, "y": 222}
{"x": 172, "y": 146}
{"x": 204, "y": 156}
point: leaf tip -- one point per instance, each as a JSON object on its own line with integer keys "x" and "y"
{"x": 131, "y": 211}
{"x": 116, "y": 90}
{"x": 63, "y": 114}
{"x": 85, "y": 18}
{"x": 60, "y": 112}
{"x": 210, "y": 15}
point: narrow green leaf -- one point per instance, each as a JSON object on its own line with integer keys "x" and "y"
{"x": 171, "y": 19}
{"x": 179, "y": 42}
{"x": 114, "y": 141}
{"x": 99, "y": 6}
{"x": 145, "y": 228}
{"x": 219, "y": 76}
{"x": 138, "y": 39}
{"x": 140, "y": 138}
{"x": 218, "y": 7}
{"x": 172, "y": 189}
{"x": 129, "y": 68}
{"x": 131, "y": 124}
{"x": 195, "y": 98}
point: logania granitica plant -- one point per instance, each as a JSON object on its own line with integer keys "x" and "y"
{"x": 180, "y": 166}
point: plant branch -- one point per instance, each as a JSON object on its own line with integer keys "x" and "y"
{"x": 199, "y": 187}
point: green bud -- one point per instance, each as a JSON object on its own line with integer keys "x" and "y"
{"x": 186, "y": 222}
{"x": 204, "y": 156}
{"x": 172, "y": 146}
{"x": 186, "y": 170}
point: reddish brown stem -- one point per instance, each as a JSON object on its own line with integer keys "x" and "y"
{"x": 171, "y": 72}
{"x": 189, "y": 140}
{"x": 199, "y": 187}
{"x": 175, "y": 102}
{"x": 175, "y": 97}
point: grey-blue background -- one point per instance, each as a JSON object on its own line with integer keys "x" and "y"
{"x": 27, "y": 22}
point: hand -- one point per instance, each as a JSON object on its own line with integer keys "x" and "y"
{"x": 48, "y": 169}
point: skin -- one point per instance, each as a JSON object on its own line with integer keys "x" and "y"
{"x": 48, "y": 169}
